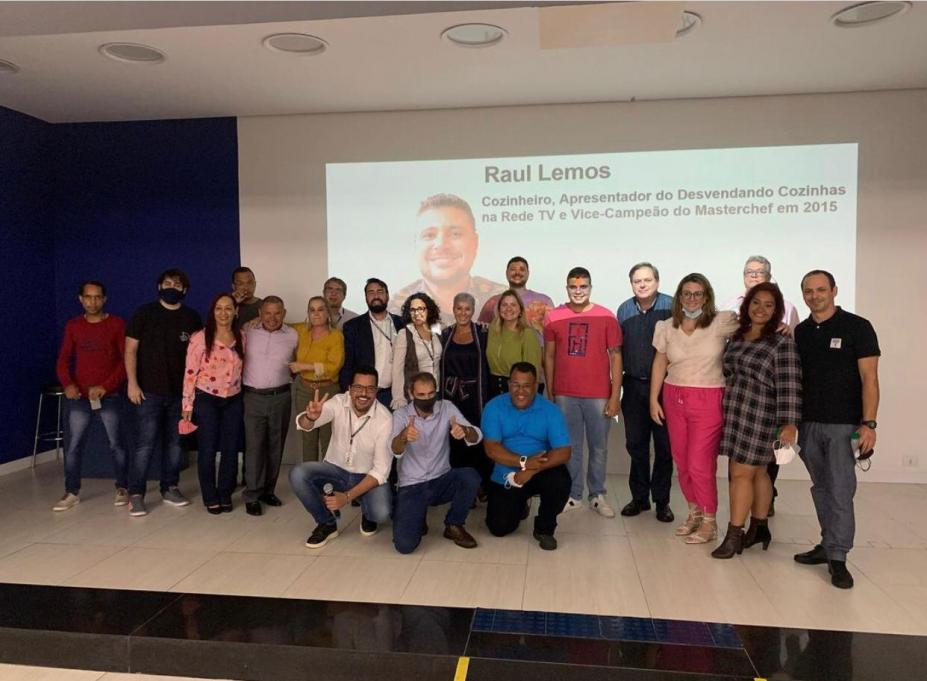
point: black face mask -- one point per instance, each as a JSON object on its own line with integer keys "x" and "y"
{"x": 426, "y": 406}
{"x": 171, "y": 296}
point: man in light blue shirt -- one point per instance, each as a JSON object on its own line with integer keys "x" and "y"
{"x": 527, "y": 436}
{"x": 421, "y": 432}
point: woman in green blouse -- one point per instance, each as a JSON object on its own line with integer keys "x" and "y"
{"x": 511, "y": 340}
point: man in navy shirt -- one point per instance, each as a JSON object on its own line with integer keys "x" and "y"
{"x": 638, "y": 316}
{"x": 527, "y": 437}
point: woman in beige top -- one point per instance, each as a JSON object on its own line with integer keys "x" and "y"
{"x": 687, "y": 367}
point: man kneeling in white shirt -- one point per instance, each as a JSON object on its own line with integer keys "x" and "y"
{"x": 357, "y": 461}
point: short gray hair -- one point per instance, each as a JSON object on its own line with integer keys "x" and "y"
{"x": 463, "y": 296}
{"x": 642, "y": 265}
{"x": 760, "y": 259}
{"x": 272, "y": 300}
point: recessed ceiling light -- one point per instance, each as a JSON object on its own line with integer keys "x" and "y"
{"x": 688, "y": 22}
{"x": 300, "y": 44}
{"x": 8, "y": 66}
{"x": 474, "y": 35}
{"x": 133, "y": 53}
{"x": 867, "y": 13}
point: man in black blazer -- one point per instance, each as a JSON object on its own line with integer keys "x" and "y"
{"x": 368, "y": 340}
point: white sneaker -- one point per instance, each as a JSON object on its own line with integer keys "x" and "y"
{"x": 571, "y": 505}
{"x": 600, "y": 505}
{"x": 122, "y": 497}
{"x": 68, "y": 501}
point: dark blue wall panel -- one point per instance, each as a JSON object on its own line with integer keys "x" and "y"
{"x": 28, "y": 270}
{"x": 136, "y": 198}
{"x": 119, "y": 202}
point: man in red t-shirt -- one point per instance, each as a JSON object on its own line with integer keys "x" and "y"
{"x": 582, "y": 362}
{"x": 91, "y": 369}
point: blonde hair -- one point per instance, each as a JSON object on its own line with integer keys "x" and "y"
{"x": 520, "y": 323}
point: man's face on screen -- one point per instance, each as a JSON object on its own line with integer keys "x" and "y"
{"x": 446, "y": 244}
{"x": 517, "y": 274}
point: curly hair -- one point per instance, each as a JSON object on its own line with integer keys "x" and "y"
{"x": 434, "y": 314}
{"x": 769, "y": 328}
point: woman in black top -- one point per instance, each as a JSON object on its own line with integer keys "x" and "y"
{"x": 465, "y": 379}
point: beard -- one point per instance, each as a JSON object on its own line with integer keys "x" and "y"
{"x": 377, "y": 306}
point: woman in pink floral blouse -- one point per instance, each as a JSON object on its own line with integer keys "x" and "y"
{"x": 212, "y": 400}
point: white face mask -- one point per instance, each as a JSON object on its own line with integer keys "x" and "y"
{"x": 692, "y": 314}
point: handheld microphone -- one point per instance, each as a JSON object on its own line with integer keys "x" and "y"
{"x": 328, "y": 489}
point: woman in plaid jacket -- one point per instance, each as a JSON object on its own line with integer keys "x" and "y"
{"x": 762, "y": 404}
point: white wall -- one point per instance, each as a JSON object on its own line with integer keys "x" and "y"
{"x": 282, "y": 191}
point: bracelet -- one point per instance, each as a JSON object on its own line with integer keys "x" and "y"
{"x": 347, "y": 495}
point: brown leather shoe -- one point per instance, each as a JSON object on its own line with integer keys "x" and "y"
{"x": 459, "y": 536}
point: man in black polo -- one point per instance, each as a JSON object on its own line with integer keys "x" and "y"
{"x": 638, "y": 316}
{"x": 368, "y": 340}
{"x": 839, "y": 360}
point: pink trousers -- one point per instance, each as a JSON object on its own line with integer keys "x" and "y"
{"x": 694, "y": 419}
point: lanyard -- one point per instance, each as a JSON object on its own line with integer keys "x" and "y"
{"x": 429, "y": 348}
{"x": 353, "y": 432}
{"x": 376, "y": 325}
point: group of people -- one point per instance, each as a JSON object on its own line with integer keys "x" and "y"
{"x": 397, "y": 414}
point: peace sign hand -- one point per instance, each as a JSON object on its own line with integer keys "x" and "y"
{"x": 458, "y": 432}
{"x": 314, "y": 408}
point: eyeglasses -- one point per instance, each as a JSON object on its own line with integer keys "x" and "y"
{"x": 418, "y": 310}
{"x": 579, "y": 287}
{"x": 358, "y": 388}
{"x": 755, "y": 273}
{"x": 693, "y": 295}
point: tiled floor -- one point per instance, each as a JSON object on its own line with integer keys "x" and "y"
{"x": 633, "y": 567}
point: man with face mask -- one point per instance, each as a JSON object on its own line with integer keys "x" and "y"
{"x": 156, "y": 350}
{"x": 368, "y": 340}
{"x": 421, "y": 441}
{"x": 582, "y": 361}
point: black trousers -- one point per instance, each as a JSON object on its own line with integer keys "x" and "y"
{"x": 507, "y": 506}
{"x": 639, "y": 428}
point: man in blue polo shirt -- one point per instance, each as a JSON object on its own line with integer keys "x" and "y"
{"x": 527, "y": 436}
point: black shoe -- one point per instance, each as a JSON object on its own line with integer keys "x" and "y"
{"x": 322, "y": 535}
{"x": 758, "y": 533}
{"x": 367, "y": 527}
{"x": 733, "y": 543}
{"x": 215, "y": 510}
{"x": 840, "y": 577}
{"x": 634, "y": 507}
{"x": 254, "y": 508}
{"x": 270, "y": 500}
{"x": 816, "y": 556}
{"x": 355, "y": 503}
{"x": 665, "y": 513}
{"x": 226, "y": 506}
{"x": 546, "y": 541}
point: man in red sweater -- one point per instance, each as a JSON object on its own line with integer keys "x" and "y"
{"x": 91, "y": 369}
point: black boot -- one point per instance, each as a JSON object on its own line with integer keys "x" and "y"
{"x": 733, "y": 543}
{"x": 758, "y": 533}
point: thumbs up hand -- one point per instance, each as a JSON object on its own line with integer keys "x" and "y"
{"x": 458, "y": 432}
{"x": 411, "y": 432}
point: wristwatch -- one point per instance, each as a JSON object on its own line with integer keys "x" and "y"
{"x": 869, "y": 424}
{"x": 522, "y": 461}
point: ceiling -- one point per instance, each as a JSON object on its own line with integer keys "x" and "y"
{"x": 386, "y": 56}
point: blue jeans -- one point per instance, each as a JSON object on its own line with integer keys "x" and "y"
{"x": 219, "y": 423}
{"x": 585, "y": 416}
{"x": 828, "y": 456}
{"x": 458, "y": 486}
{"x": 308, "y": 479}
{"x": 79, "y": 417}
{"x": 156, "y": 420}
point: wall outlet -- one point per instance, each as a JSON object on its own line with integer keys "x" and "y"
{"x": 909, "y": 461}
